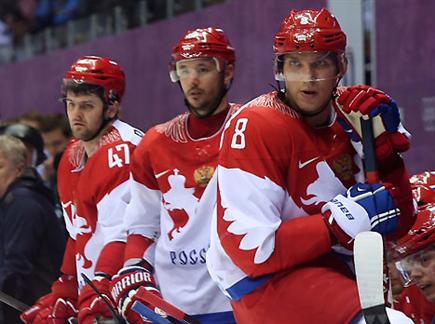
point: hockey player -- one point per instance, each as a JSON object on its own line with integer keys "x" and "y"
{"x": 283, "y": 157}
{"x": 416, "y": 255}
{"x": 92, "y": 178}
{"x": 168, "y": 235}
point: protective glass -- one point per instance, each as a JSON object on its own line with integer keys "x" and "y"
{"x": 196, "y": 68}
{"x": 414, "y": 264}
{"x": 307, "y": 66}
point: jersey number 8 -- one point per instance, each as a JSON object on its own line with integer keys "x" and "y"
{"x": 238, "y": 141}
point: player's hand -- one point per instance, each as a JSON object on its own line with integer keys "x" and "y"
{"x": 50, "y": 310}
{"x": 127, "y": 287}
{"x": 390, "y": 136}
{"x": 364, "y": 208}
{"x": 91, "y": 306}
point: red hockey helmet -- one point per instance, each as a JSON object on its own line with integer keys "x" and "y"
{"x": 420, "y": 236}
{"x": 423, "y": 188}
{"x": 99, "y": 71}
{"x": 309, "y": 30}
{"x": 208, "y": 42}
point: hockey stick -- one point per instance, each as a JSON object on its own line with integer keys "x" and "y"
{"x": 21, "y": 307}
{"x": 368, "y": 256}
{"x": 12, "y": 302}
{"x": 116, "y": 318}
{"x": 168, "y": 308}
{"x": 368, "y": 142}
{"x": 368, "y": 248}
{"x": 138, "y": 307}
{"x": 148, "y": 313}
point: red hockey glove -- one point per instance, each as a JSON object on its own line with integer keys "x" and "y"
{"x": 57, "y": 307}
{"x": 390, "y": 136}
{"x": 126, "y": 287}
{"x": 91, "y": 306}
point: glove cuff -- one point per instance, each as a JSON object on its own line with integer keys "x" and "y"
{"x": 130, "y": 278}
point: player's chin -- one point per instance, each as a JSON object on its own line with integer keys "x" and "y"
{"x": 200, "y": 111}
{"x": 429, "y": 293}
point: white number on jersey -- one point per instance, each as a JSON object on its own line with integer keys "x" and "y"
{"x": 238, "y": 141}
{"x": 114, "y": 158}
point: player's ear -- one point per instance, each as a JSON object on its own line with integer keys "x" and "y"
{"x": 342, "y": 65}
{"x": 112, "y": 110}
{"x": 228, "y": 74}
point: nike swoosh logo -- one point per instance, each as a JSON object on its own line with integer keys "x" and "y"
{"x": 301, "y": 165}
{"x": 158, "y": 175}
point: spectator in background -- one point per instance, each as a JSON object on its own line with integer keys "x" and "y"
{"x": 31, "y": 118}
{"x": 58, "y": 12}
{"x": 31, "y": 242}
{"x": 32, "y": 140}
{"x": 56, "y": 133}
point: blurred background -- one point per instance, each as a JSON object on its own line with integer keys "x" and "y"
{"x": 390, "y": 46}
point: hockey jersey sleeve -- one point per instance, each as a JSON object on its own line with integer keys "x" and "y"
{"x": 142, "y": 220}
{"x": 68, "y": 263}
{"x": 258, "y": 221}
{"x": 112, "y": 196}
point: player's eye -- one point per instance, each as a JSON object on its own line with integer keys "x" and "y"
{"x": 293, "y": 63}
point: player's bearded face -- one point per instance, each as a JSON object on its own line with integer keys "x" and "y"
{"x": 310, "y": 78}
{"x": 85, "y": 114}
{"x": 201, "y": 83}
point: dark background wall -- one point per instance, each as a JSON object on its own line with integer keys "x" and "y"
{"x": 144, "y": 53}
{"x": 405, "y": 43}
{"x": 405, "y": 49}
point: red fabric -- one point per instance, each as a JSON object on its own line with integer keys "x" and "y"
{"x": 69, "y": 260}
{"x": 206, "y": 127}
{"x": 309, "y": 234}
{"x": 313, "y": 282}
{"x": 110, "y": 259}
{"x": 413, "y": 303}
{"x": 136, "y": 246}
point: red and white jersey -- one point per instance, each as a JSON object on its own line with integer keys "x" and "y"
{"x": 273, "y": 170}
{"x": 94, "y": 195}
{"x": 414, "y": 304}
{"x": 170, "y": 171}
